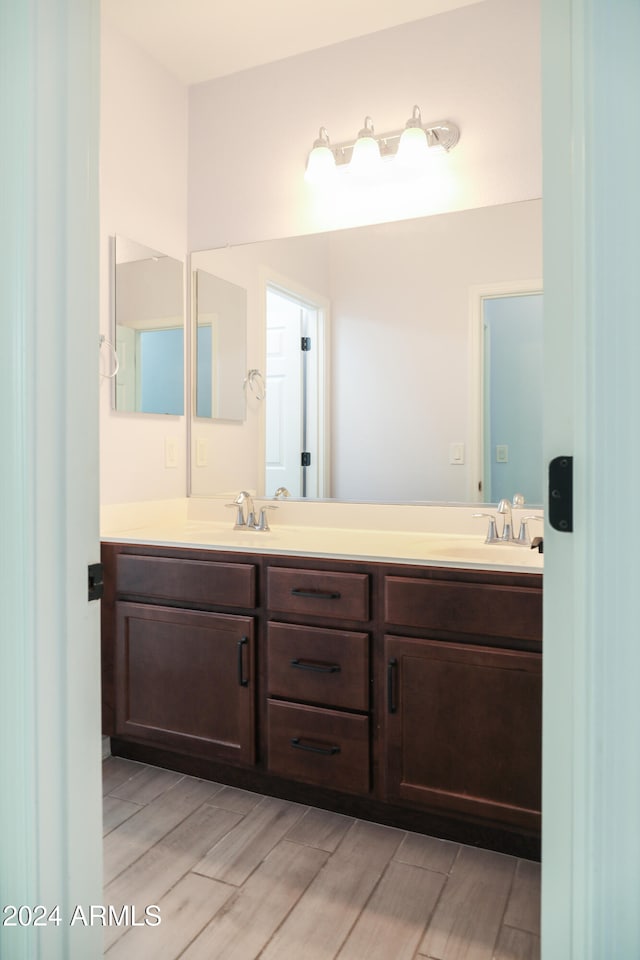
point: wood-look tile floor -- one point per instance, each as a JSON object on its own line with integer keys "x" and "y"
{"x": 241, "y": 876}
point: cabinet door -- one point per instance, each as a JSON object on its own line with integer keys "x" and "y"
{"x": 462, "y": 729}
{"x": 185, "y": 680}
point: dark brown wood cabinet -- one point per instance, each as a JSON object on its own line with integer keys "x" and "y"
{"x": 178, "y": 666}
{"x": 462, "y": 729}
{"x": 405, "y": 694}
{"x": 185, "y": 680}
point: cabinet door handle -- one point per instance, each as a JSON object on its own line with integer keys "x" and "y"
{"x": 297, "y": 744}
{"x": 391, "y": 685}
{"x": 242, "y": 680}
{"x": 315, "y": 594}
{"x": 315, "y": 667}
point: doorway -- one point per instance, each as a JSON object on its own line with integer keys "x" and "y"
{"x": 506, "y": 391}
{"x": 295, "y": 392}
{"x": 513, "y": 397}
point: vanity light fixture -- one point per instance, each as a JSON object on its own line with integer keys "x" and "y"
{"x": 410, "y": 146}
{"x": 321, "y": 164}
{"x": 366, "y": 157}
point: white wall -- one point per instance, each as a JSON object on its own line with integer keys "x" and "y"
{"x": 249, "y": 134}
{"x": 143, "y": 196}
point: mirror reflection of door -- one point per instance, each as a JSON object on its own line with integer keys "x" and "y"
{"x": 293, "y": 402}
{"x": 513, "y": 395}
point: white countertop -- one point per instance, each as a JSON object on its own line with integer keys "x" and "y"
{"x": 415, "y": 547}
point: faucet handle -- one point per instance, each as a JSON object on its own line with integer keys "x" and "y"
{"x": 263, "y": 523}
{"x": 492, "y": 532}
{"x": 518, "y": 501}
{"x": 237, "y": 506}
{"x": 523, "y": 534}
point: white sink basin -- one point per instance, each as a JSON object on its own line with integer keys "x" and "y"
{"x": 477, "y": 551}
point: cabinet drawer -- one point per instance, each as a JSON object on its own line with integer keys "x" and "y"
{"x": 481, "y": 609}
{"x": 324, "y": 747}
{"x": 328, "y": 667}
{"x": 186, "y": 581}
{"x": 342, "y": 596}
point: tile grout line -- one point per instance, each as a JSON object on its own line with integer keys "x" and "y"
{"x": 447, "y": 876}
{"x": 364, "y": 905}
{"x": 165, "y": 835}
{"x": 504, "y": 912}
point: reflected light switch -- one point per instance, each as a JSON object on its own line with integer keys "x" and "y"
{"x": 502, "y": 453}
{"x": 201, "y": 453}
{"x": 170, "y": 452}
{"x": 456, "y": 453}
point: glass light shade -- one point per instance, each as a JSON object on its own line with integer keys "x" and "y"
{"x": 366, "y": 157}
{"x": 321, "y": 165}
{"x": 413, "y": 149}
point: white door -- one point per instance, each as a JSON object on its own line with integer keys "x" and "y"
{"x": 591, "y": 775}
{"x": 50, "y": 797}
{"x": 293, "y": 454}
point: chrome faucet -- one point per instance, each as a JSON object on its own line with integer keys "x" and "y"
{"x": 246, "y": 513}
{"x": 505, "y": 509}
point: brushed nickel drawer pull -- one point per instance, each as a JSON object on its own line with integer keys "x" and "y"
{"x": 297, "y": 744}
{"x": 315, "y": 594}
{"x": 315, "y": 667}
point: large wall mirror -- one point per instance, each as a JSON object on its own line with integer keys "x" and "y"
{"x": 396, "y": 382}
{"x": 148, "y": 315}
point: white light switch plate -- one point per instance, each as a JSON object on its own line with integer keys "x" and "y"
{"x": 170, "y": 452}
{"x": 456, "y": 453}
{"x": 201, "y": 453}
{"x": 502, "y": 453}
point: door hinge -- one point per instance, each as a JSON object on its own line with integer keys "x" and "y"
{"x": 561, "y": 494}
{"x": 305, "y": 459}
{"x": 305, "y": 343}
{"x": 96, "y": 581}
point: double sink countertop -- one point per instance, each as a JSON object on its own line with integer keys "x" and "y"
{"x": 171, "y": 525}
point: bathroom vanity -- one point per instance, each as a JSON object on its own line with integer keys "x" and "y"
{"x": 404, "y": 692}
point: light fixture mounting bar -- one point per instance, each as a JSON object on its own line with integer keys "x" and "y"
{"x": 441, "y": 133}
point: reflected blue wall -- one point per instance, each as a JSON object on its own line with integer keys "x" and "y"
{"x": 203, "y": 374}
{"x": 513, "y": 374}
{"x": 161, "y": 371}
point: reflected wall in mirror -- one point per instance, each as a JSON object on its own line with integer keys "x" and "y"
{"x": 149, "y": 329}
{"x": 400, "y": 377}
{"x": 512, "y": 368}
{"x": 221, "y": 347}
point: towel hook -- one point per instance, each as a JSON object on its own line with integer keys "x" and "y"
{"x": 116, "y": 362}
{"x": 256, "y": 383}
